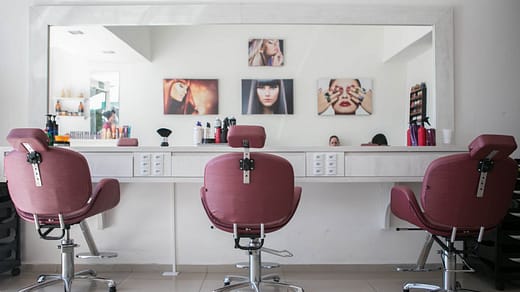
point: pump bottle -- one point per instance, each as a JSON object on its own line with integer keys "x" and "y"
{"x": 197, "y": 134}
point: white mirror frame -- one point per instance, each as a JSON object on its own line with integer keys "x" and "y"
{"x": 440, "y": 18}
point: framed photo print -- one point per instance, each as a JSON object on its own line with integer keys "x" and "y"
{"x": 190, "y": 96}
{"x": 267, "y": 96}
{"x": 345, "y": 96}
{"x": 266, "y": 52}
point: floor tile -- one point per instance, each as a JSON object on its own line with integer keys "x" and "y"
{"x": 325, "y": 280}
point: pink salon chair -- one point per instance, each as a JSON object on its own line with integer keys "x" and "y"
{"x": 250, "y": 195}
{"x": 462, "y": 196}
{"x": 52, "y": 188}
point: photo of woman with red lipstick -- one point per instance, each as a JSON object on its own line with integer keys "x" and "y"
{"x": 345, "y": 96}
{"x": 267, "y": 96}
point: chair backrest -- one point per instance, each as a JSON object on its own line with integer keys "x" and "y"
{"x": 268, "y": 198}
{"x": 474, "y": 189}
{"x": 65, "y": 177}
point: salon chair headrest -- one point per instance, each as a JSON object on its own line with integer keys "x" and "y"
{"x": 33, "y": 136}
{"x": 483, "y": 145}
{"x": 254, "y": 135}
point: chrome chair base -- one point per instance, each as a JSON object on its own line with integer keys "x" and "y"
{"x": 99, "y": 255}
{"x": 244, "y": 265}
{"x": 241, "y": 279}
{"x": 53, "y": 279}
{"x": 257, "y": 287}
{"x": 428, "y": 287}
{"x": 255, "y": 280}
{"x": 68, "y": 275}
{"x": 449, "y": 260}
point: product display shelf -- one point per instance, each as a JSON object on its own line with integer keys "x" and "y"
{"x": 498, "y": 255}
{"x": 418, "y": 103}
{"x": 9, "y": 234}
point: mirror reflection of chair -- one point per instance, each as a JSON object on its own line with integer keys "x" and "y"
{"x": 462, "y": 196}
{"x": 250, "y": 195}
{"x": 51, "y": 187}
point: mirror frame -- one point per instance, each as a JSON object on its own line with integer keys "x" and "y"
{"x": 440, "y": 18}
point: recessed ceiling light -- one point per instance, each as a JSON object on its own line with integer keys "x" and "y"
{"x": 76, "y": 32}
{"x": 108, "y": 52}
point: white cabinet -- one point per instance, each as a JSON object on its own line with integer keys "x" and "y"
{"x": 400, "y": 164}
{"x": 315, "y": 166}
{"x": 297, "y": 160}
{"x": 190, "y": 164}
{"x": 108, "y": 164}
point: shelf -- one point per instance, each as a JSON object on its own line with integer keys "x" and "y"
{"x": 70, "y": 98}
{"x": 418, "y": 103}
{"x": 71, "y": 116}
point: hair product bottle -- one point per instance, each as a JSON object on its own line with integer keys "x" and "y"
{"x": 218, "y": 130}
{"x": 197, "y": 133}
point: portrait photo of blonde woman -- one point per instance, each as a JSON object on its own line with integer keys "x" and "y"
{"x": 266, "y": 52}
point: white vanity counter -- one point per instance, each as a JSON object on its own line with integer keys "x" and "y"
{"x": 311, "y": 164}
{"x": 336, "y": 181}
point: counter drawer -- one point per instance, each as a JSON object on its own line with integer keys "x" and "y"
{"x": 110, "y": 164}
{"x": 192, "y": 165}
{"x": 401, "y": 164}
{"x": 189, "y": 164}
{"x": 325, "y": 164}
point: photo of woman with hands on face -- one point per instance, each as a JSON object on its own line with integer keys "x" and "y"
{"x": 345, "y": 96}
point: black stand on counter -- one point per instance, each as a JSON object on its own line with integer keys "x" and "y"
{"x": 9, "y": 234}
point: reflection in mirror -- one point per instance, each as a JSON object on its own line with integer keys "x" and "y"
{"x": 396, "y": 57}
{"x": 128, "y": 17}
{"x": 82, "y": 90}
{"x": 104, "y": 104}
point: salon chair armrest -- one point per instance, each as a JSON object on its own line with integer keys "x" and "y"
{"x": 105, "y": 196}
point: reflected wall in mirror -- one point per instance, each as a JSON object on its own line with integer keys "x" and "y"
{"x": 79, "y": 95}
{"x": 169, "y": 28}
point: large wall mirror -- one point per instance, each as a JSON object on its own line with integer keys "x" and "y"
{"x": 134, "y": 25}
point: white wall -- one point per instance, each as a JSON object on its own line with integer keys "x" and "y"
{"x": 487, "y": 67}
{"x": 14, "y": 61}
{"x": 478, "y": 60}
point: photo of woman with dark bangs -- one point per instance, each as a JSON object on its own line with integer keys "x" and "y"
{"x": 267, "y": 96}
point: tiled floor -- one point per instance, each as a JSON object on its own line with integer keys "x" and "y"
{"x": 313, "y": 280}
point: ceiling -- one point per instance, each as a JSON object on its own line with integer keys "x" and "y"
{"x": 95, "y": 43}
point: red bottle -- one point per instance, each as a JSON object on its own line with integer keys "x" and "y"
{"x": 218, "y": 134}
{"x": 218, "y": 131}
{"x": 421, "y": 135}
